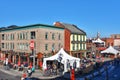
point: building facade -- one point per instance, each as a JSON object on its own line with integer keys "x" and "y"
{"x": 75, "y": 39}
{"x": 108, "y": 42}
{"x": 15, "y": 42}
{"x": 115, "y": 36}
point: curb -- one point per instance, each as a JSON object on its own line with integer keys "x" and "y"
{"x": 9, "y": 72}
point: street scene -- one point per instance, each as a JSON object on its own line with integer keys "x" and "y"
{"x": 59, "y": 40}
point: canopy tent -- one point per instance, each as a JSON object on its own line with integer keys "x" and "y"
{"x": 98, "y": 40}
{"x": 65, "y": 58}
{"x": 110, "y": 49}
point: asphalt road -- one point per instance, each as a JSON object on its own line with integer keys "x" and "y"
{"x": 4, "y": 76}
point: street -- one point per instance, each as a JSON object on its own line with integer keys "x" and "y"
{"x": 4, "y": 76}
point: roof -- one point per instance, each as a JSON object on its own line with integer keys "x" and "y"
{"x": 98, "y": 40}
{"x": 29, "y": 26}
{"x": 73, "y": 28}
{"x": 110, "y": 49}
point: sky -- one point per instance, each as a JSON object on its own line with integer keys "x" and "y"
{"x": 92, "y": 16}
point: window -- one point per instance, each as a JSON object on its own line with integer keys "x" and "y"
{"x": 2, "y": 45}
{"x": 10, "y": 45}
{"x": 33, "y": 36}
{"x": 115, "y": 36}
{"x": 80, "y": 46}
{"x": 10, "y": 36}
{"x": 83, "y": 38}
{"x": 77, "y": 46}
{"x": 26, "y": 46}
{"x": 5, "y": 46}
{"x": 80, "y": 37}
{"x": 59, "y": 37}
{"x": 46, "y": 35}
{"x": 23, "y": 35}
{"x": 20, "y": 36}
{"x": 3, "y": 36}
{"x": 18, "y": 46}
{"x": 13, "y": 45}
{"x": 34, "y": 44}
{"x": 77, "y": 37}
{"x": 53, "y": 47}
{"x": 13, "y": 36}
{"x": 6, "y": 37}
{"x": 53, "y": 36}
{"x": 26, "y": 35}
{"x": 83, "y": 46}
{"x": 46, "y": 47}
{"x": 73, "y": 46}
{"x": 73, "y": 37}
{"x": 59, "y": 46}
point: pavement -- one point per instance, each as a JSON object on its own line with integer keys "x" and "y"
{"x": 37, "y": 74}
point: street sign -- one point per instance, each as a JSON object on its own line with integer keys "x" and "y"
{"x": 31, "y": 44}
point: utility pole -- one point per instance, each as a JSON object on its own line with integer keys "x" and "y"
{"x": 33, "y": 53}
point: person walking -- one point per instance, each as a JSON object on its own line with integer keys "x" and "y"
{"x": 29, "y": 72}
{"x": 33, "y": 69}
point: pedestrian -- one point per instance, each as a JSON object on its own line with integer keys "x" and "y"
{"x": 29, "y": 71}
{"x": 74, "y": 64}
{"x": 68, "y": 65}
{"x": 33, "y": 69}
{"x": 24, "y": 75}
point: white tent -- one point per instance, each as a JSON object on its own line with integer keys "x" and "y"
{"x": 65, "y": 57}
{"x": 110, "y": 49}
{"x": 98, "y": 40}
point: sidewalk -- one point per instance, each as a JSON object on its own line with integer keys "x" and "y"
{"x": 37, "y": 74}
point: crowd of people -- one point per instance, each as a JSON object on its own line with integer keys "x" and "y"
{"x": 53, "y": 68}
{"x": 26, "y": 68}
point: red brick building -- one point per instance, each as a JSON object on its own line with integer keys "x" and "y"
{"x": 75, "y": 39}
{"x": 108, "y": 41}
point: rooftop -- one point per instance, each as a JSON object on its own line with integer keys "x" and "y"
{"x": 73, "y": 28}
